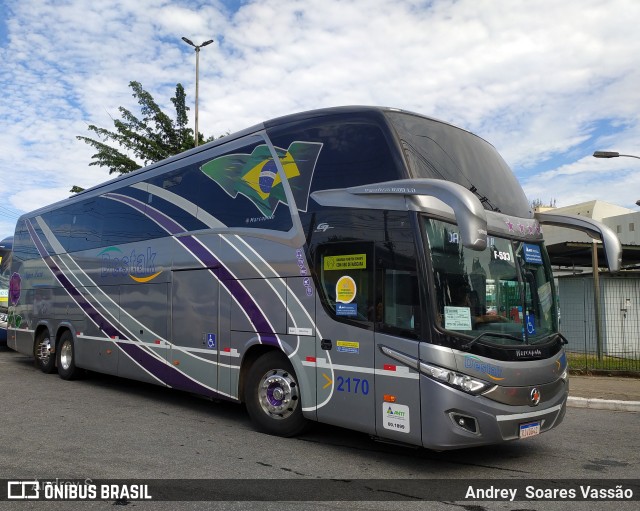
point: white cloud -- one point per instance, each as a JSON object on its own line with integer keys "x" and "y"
{"x": 536, "y": 79}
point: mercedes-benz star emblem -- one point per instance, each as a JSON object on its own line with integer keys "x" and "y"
{"x": 535, "y": 396}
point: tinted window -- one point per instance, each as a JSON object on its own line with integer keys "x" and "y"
{"x": 397, "y": 290}
{"x": 59, "y": 222}
{"x": 177, "y": 193}
{"x": 437, "y": 150}
{"x": 86, "y": 225}
{"x": 23, "y": 248}
{"x": 122, "y": 223}
{"x": 372, "y": 254}
{"x": 345, "y": 273}
{"x": 242, "y": 188}
{"x": 352, "y": 153}
{"x": 506, "y": 288}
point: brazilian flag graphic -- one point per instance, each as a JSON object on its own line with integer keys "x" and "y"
{"x": 256, "y": 175}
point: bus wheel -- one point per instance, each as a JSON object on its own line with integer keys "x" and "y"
{"x": 272, "y": 396}
{"x": 44, "y": 360}
{"x": 66, "y": 357}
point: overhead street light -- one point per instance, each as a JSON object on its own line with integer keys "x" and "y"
{"x": 612, "y": 154}
{"x": 596, "y": 284}
{"x": 197, "y": 48}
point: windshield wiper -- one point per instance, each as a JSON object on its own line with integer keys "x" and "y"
{"x": 496, "y": 334}
{"x": 554, "y": 336}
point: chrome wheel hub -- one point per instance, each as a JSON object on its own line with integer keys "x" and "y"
{"x": 44, "y": 351}
{"x": 278, "y": 393}
{"x": 66, "y": 355}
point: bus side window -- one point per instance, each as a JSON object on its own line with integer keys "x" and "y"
{"x": 397, "y": 290}
{"x": 400, "y": 299}
{"x": 345, "y": 271}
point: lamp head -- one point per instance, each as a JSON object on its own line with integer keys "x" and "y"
{"x": 605, "y": 154}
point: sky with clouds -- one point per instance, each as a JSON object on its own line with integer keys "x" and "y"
{"x": 545, "y": 81}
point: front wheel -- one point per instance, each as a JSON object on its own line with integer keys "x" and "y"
{"x": 272, "y": 396}
{"x": 66, "y": 360}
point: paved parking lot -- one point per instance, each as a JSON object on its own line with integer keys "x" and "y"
{"x": 103, "y": 427}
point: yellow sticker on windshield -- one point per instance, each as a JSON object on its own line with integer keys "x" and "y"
{"x": 345, "y": 289}
{"x": 346, "y": 262}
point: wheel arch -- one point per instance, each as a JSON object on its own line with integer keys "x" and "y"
{"x": 251, "y": 355}
{"x": 62, "y": 329}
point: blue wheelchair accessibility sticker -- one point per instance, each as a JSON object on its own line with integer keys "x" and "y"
{"x": 530, "y": 322}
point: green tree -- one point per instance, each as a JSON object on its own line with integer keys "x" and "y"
{"x": 539, "y": 203}
{"x": 142, "y": 140}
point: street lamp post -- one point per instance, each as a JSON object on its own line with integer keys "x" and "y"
{"x": 197, "y": 48}
{"x": 596, "y": 282}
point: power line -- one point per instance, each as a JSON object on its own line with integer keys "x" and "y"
{"x": 8, "y": 212}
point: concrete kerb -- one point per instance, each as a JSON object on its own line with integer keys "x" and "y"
{"x": 604, "y": 404}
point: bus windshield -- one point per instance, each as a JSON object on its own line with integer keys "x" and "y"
{"x": 505, "y": 290}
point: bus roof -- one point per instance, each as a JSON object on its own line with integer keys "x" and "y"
{"x": 347, "y": 111}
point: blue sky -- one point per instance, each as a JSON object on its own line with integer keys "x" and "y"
{"x": 546, "y": 82}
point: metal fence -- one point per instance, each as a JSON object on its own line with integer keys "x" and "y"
{"x": 619, "y": 346}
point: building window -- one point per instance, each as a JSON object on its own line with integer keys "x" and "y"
{"x": 618, "y": 229}
{"x": 632, "y": 227}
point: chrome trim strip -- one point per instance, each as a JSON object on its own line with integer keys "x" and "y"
{"x": 528, "y": 415}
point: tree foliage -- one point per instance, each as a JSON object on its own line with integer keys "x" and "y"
{"x": 539, "y": 203}
{"x": 139, "y": 141}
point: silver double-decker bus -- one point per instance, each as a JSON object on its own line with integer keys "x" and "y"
{"x": 365, "y": 267}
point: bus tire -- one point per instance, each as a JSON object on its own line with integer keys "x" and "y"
{"x": 272, "y": 396}
{"x": 65, "y": 357}
{"x": 43, "y": 358}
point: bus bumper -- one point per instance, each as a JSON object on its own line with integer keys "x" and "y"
{"x": 452, "y": 419}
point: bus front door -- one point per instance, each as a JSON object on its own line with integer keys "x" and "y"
{"x": 345, "y": 340}
{"x": 397, "y": 325}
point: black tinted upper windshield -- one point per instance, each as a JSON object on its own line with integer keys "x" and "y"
{"x": 506, "y": 288}
{"x": 437, "y": 150}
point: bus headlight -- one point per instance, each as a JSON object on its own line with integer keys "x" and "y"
{"x": 460, "y": 381}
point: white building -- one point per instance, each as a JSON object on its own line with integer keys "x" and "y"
{"x": 619, "y": 307}
{"x": 596, "y": 209}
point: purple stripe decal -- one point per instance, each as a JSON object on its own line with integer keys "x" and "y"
{"x": 169, "y": 375}
{"x": 235, "y": 288}
{"x": 168, "y": 224}
{"x": 104, "y": 324}
{"x": 245, "y": 300}
{"x": 166, "y": 373}
{"x": 36, "y": 240}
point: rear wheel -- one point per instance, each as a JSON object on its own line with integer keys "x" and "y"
{"x": 44, "y": 359}
{"x": 272, "y": 396}
{"x": 66, "y": 357}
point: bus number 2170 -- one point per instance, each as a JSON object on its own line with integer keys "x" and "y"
{"x": 355, "y": 385}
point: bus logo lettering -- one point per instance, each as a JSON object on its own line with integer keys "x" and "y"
{"x": 492, "y": 371}
{"x": 139, "y": 267}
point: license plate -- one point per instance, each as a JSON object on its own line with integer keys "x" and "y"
{"x": 529, "y": 429}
